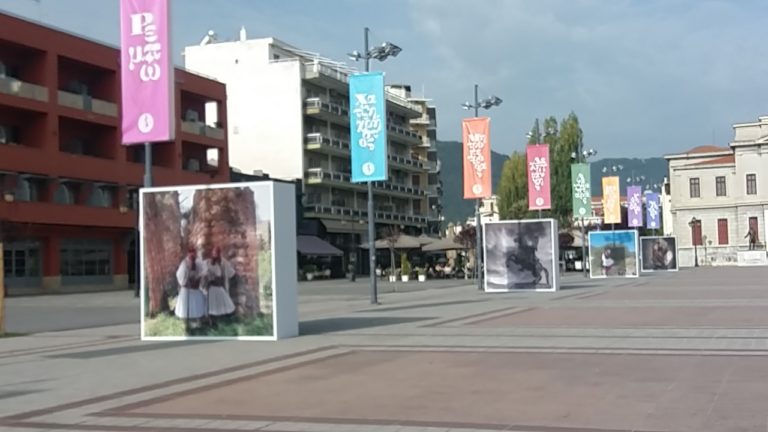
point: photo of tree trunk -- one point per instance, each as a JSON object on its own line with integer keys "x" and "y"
{"x": 208, "y": 261}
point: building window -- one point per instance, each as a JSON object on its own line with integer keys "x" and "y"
{"x": 21, "y": 263}
{"x": 720, "y": 186}
{"x": 27, "y": 189}
{"x": 695, "y": 187}
{"x": 101, "y": 196}
{"x": 751, "y": 184}
{"x": 64, "y": 195}
{"x": 85, "y": 261}
{"x": 722, "y": 231}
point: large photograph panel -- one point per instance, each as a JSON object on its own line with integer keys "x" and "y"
{"x": 520, "y": 255}
{"x": 206, "y": 257}
{"x": 613, "y": 254}
{"x": 658, "y": 254}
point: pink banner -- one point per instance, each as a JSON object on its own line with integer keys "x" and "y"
{"x": 539, "y": 196}
{"x": 146, "y": 72}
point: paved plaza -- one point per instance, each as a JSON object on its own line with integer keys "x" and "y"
{"x": 682, "y": 351}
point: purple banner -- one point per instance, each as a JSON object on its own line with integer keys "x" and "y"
{"x": 146, "y": 72}
{"x": 653, "y": 210}
{"x": 634, "y": 206}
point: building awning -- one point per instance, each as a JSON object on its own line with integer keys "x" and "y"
{"x": 311, "y": 245}
{"x": 339, "y": 227}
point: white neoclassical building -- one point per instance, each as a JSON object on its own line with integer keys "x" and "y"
{"x": 717, "y": 194}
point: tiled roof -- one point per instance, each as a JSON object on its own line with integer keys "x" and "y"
{"x": 707, "y": 149}
{"x": 730, "y": 159}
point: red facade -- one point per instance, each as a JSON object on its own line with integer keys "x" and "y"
{"x": 69, "y": 188}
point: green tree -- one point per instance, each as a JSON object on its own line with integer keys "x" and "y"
{"x": 570, "y": 141}
{"x": 534, "y": 136}
{"x": 512, "y": 191}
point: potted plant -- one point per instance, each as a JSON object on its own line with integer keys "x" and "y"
{"x": 422, "y": 274}
{"x": 309, "y": 271}
{"x": 405, "y": 268}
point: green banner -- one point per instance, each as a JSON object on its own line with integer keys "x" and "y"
{"x": 581, "y": 190}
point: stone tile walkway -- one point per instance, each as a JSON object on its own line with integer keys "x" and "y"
{"x": 676, "y": 352}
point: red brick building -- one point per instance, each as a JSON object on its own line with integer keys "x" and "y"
{"x": 68, "y": 188}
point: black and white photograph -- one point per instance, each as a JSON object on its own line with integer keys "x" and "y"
{"x": 520, "y": 255}
{"x": 658, "y": 254}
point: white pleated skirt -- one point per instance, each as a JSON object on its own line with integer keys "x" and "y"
{"x": 190, "y": 304}
{"x": 219, "y": 301}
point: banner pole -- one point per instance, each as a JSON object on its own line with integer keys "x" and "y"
{"x": 371, "y": 214}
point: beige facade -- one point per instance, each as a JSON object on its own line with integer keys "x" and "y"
{"x": 726, "y": 189}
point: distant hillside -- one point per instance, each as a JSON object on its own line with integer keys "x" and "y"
{"x": 654, "y": 170}
{"x": 456, "y": 208}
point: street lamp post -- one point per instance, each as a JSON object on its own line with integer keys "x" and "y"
{"x": 379, "y": 53}
{"x": 581, "y": 156}
{"x": 487, "y": 104}
{"x": 694, "y": 223}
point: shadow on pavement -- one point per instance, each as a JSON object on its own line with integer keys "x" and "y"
{"x": 152, "y": 346}
{"x": 582, "y": 285}
{"x": 331, "y": 325}
{"x": 421, "y": 305}
{"x": 7, "y": 394}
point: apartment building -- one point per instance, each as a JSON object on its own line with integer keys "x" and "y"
{"x": 426, "y": 127}
{"x": 718, "y": 193}
{"x": 289, "y": 115}
{"x": 68, "y": 187}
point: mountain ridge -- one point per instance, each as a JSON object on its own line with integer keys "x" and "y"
{"x": 456, "y": 209}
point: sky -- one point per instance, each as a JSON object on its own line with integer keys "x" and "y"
{"x": 645, "y": 77}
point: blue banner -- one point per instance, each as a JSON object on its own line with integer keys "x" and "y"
{"x": 368, "y": 127}
{"x": 653, "y": 210}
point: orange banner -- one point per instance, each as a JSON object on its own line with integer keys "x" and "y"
{"x": 611, "y": 200}
{"x": 477, "y": 158}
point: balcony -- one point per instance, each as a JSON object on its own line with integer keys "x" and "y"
{"x": 316, "y": 176}
{"x": 399, "y": 190}
{"x": 326, "y": 110}
{"x": 15, "y": 87}
{"x": 406, "y": 162}
{"x": 434, "y": 190}
{"x": 332, "y": 178}
{"x": 403, "y": 134}
{"x": 433, "y": 167}
{"x": 403, "y": 106}
{"x": 320, "y": 210}
{"x": 320, "y": 142}
{"x": 434, "y": 215}
{"x": 325, "y": 76}
{"x": 421, "y": 121}
{"x": 87, "y": 103}
{"x": 202, "y": 129}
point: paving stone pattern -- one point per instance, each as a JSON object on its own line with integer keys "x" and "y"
{"x": 685, "y": 351}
